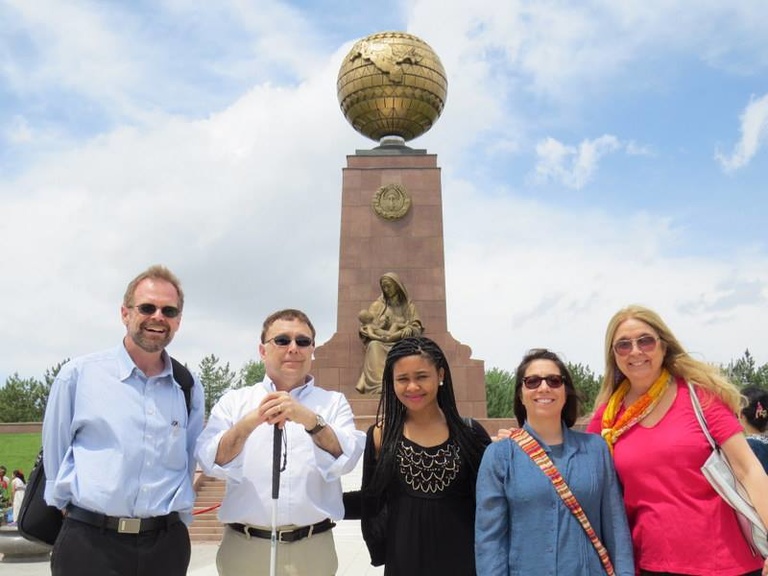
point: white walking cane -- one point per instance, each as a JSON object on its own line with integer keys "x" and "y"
{"x": 276, "y": 447}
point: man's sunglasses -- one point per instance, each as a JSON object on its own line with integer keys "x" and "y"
{"x": 533, "y": 382}
{"x": 283, "y": 340}
{"x": 646, "y": 343}
{"x": 149, "y": 309}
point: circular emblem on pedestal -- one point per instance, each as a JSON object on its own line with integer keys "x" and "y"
{"x": 391, "y": 202}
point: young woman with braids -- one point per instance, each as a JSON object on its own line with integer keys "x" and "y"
{"x": 417, "y": 502}
{"x": 679, "y": 524}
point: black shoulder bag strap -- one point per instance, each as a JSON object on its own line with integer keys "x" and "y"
{"x": 184, "y": 379}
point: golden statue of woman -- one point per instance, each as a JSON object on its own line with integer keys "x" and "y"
{"x": 391, "y": 317}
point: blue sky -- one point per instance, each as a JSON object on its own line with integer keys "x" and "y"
{"x": 593, "y": 154}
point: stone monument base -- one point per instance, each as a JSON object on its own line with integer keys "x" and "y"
{"x": 15, "y": 548}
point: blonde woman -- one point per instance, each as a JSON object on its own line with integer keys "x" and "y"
{"x": 679, "y": 524}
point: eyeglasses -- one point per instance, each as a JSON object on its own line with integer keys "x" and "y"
{"x": 283, "y": 340}
{"x": 645, "y": 343}
{"x": 149, "y": 309}
{"x": 533, "y": 382}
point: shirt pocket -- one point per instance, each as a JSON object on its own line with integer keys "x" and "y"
{"x": 175, "y": 448}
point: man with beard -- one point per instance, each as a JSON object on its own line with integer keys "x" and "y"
{"x": 118, "y": 440}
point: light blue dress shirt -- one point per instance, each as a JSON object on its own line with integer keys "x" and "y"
{"x": 522, "y": 525}
{"x": 118, "y": 442}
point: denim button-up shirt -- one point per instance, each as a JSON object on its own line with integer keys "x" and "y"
{"x": 522, "y": 525}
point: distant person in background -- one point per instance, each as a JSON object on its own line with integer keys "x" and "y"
{"x": 679, "y": 524}
{"x": 523, "y": 525}
{"x": 4, "y": 481}
{"x": 754, "y": 419}
{"x": 4, "y": 495}
{"x": 18, "y": 486}
{"x": 417, "y": 502}
{"x": 118, "y": 445}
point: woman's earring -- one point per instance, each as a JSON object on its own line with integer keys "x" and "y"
{"x": 441, "y": 383}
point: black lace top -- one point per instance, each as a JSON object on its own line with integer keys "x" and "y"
{"x": 431, "y": 513}
{"x": 428, "y": 472}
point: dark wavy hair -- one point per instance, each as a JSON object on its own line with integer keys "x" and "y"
{"x": 390, "y": 415}
{"x": 572, "y": 397}
{"x": 756, "y": 410}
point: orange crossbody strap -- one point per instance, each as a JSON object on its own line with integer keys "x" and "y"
{"x": 536, "y": 452}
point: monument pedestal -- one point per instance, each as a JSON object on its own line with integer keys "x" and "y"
{"x": 378, "y": 185}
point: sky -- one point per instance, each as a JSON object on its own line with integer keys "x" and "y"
{"x": 594, "y": 154}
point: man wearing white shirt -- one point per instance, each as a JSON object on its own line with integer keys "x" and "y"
{"x": 320, "y": 444}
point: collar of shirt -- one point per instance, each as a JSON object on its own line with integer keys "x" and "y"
{"x": 299, "y": 392}
{"x": 127, "y": 366}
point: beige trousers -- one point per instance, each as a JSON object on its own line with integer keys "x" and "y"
{"x": 241, "y": 555}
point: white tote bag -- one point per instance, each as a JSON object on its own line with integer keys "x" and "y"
{"x": 718, "y": 472}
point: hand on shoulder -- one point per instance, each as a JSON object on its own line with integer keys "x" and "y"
{"x": 502, "y": 434}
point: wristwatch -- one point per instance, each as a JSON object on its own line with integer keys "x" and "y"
{"x": 318, "y": 427}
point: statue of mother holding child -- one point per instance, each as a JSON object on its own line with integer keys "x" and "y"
{"x": 390, "y": 318}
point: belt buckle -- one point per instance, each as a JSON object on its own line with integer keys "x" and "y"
{"x": 129, "y": 525}
{"x": 286, "y": 532}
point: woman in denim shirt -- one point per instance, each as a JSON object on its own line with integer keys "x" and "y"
{"x": 522, "y": 525}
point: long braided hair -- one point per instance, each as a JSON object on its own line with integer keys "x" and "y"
{"x": 390, "y": 415}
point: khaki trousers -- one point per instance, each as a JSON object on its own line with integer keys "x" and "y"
{"x": 241, "y": 555}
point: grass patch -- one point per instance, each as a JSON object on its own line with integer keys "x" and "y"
{"x": 18, "y": 451}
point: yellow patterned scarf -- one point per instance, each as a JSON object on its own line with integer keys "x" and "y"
{"x": 612, "y": 427}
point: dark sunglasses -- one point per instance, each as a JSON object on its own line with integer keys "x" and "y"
{"x": 646, "y": 343}
{"x": 149, "y": 309}
{"x": 284, "y": 340}
{"x": 533, "y": 382}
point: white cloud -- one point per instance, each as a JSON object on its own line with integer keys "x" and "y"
{"x": 242, "y": 198}
{"x": 573, "y": 166}
{"x": 539, "y": 275}
{"x": 19, "y": 131}
{"x": 754, "y": 131}
{"x": 85, "y": 55}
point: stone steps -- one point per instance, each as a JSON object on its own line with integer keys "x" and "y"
{"x": 206, "y": 526}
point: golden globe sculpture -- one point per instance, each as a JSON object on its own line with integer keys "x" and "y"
{"x": 392, "y": 84}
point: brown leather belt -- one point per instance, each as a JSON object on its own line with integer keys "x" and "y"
{"x": 285, "y": 535}
{"x": 122, "y": 525}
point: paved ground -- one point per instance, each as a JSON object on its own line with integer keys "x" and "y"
{"x": 350, "y": 548}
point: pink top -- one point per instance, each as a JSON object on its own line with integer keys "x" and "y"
{"x": 678, "y": 522}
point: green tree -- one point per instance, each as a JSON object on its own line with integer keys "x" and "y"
{"x": 761, "y": 376}
{"x": 251, "y": 373}
{"x": 499, "y": 393}
{"x": 216, "y": 380}
{"x": 25, "y": 399}
{"x": 585, "y": 381}
{"x": 22, "y": 400}
{"x": 745, "y": 372}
